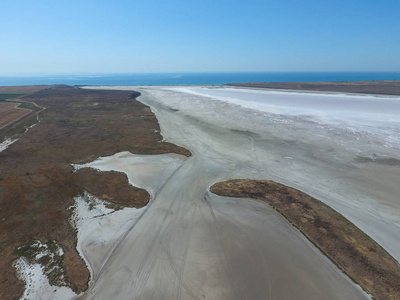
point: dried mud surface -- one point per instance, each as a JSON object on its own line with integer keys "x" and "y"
{"x": 37, "y": 182}
{"x": 351, "y": 249}
{"x": 383, "y": 87}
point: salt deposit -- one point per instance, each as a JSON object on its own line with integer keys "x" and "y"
{"x": 6, "y": 143}
{"x": 192, "y": 244}
{"x": 35, "y": 274}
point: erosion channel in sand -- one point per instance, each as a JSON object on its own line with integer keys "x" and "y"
{"x": 191, "y": 243}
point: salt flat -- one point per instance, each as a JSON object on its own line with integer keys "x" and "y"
{"x": 192, "y": 244}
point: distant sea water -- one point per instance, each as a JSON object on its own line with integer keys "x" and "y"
{"x": 194, "y": 78}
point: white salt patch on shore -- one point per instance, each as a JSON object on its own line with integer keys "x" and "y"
{"x": 367, "y": 114}
{"x": 37, "y": 285}
{"x": 144, "y": 171}
{"x": 301, "y": 102}
{"x": 8, "y": 142}
{"x": 99, "y": 228}
{"x": 5, "y": 144}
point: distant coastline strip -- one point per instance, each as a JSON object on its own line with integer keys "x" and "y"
{"x": 382, "y": 87}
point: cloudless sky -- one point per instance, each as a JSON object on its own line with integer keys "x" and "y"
{"x": 88, "y": 36}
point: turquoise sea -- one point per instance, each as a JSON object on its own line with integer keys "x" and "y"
{"x": 194, "y": 78}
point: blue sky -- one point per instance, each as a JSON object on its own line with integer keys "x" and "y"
{"x": 89, "y": 36}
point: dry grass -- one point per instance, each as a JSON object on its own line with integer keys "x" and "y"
{"x": 10, "y": 113}
{"x": 111, "y": 186}
{"x": 22, "y": 89}
{"x": 351, "y": 249}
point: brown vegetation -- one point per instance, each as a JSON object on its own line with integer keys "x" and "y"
{"x": 384, "y": 87}
{"x": 10, "y": 113}
{"x": 111, "y": 186}
{"x": 346, "y": 245}
{"x": 23, "y": 89}
{"x": 37, "y": 182}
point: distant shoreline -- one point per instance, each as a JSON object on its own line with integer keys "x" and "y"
{"x": 375, "y": 87}
{"x": 381, "y": 87}
{"x": 199, "y": 78}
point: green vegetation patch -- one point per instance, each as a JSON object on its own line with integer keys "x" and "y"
{"x": 4, "y": 97}
{"x": 29, "y": 105}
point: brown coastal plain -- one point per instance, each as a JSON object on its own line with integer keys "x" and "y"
{"x": 37, "y": 182}
{"x": 10, "y": 113}
{"x": 16, "y": 113}
{"x": 347, "y": 246}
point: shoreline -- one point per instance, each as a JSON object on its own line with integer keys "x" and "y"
{"x": 356, "y": 254}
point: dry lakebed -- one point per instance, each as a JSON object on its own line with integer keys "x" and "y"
{"x": 201, "y": 192}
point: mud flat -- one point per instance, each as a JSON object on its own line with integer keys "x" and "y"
{"x": 351, "y": 249}
{"x": 191, "y": 243}
{"x": 102, "y": 229}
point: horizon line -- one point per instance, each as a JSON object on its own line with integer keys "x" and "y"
{"x": 170, "y": 72}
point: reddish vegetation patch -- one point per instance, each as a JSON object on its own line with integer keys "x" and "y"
{"x": 351, "y": 249}
{"x": 111, "y": 186}
{"x": 386, "y": 87}
{"x": 37, "y": 183}
{"x": 10, "y": 113}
